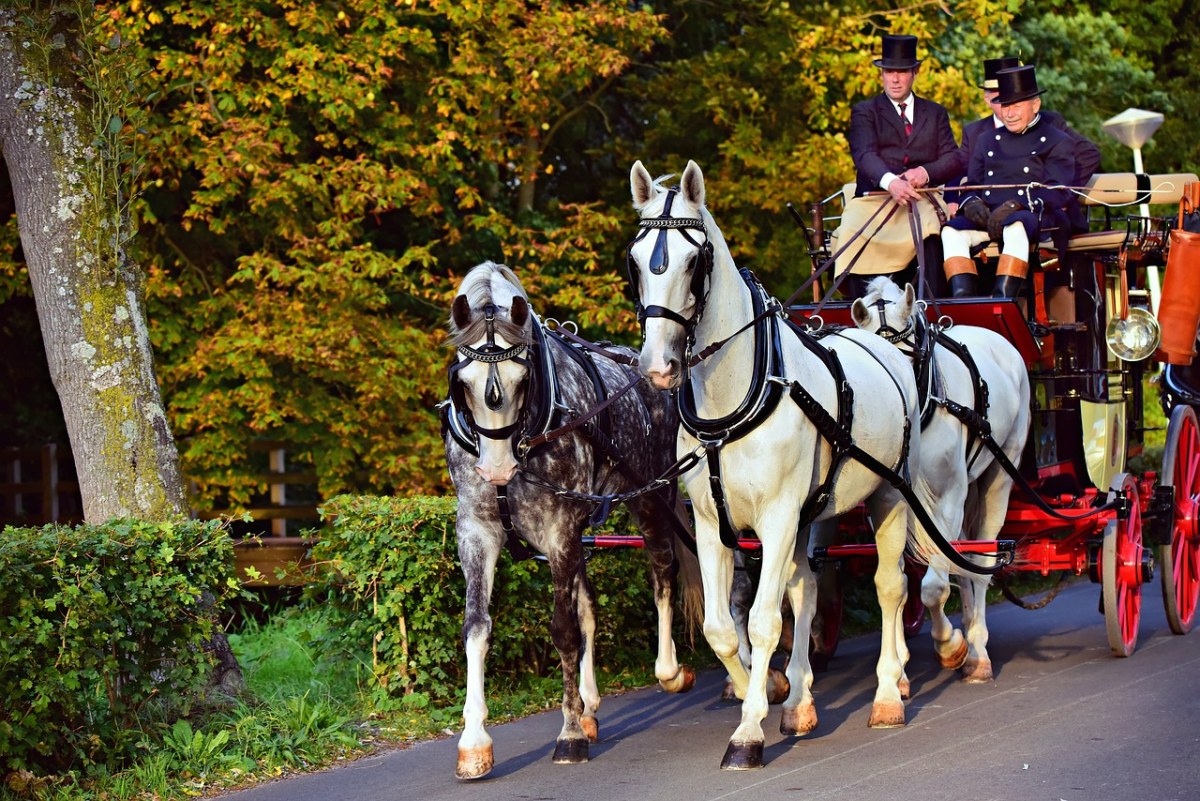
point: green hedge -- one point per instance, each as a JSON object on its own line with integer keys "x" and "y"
{"x": 102, "y": 631}
{"x": 398, "y": 594}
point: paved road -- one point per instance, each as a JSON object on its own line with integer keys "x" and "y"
{"x": 1063, "y": 720}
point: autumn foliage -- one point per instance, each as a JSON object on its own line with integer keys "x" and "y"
{"x": 317, "y": 177}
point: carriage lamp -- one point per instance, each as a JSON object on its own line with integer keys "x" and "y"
{"x": 1133, "y": 337}
{"x": 1133, "y": 128}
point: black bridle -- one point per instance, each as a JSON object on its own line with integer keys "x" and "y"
{"x": 702, "y": 265}
{"x": 490, "y": 354}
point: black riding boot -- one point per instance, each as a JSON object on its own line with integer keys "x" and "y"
{"x": 964, "y": 285}
{"x": 1008, "y": 286}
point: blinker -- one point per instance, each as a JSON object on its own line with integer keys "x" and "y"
{"x": 659, "y": 261}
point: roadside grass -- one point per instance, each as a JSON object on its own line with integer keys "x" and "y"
{"x": 305, "y": 708}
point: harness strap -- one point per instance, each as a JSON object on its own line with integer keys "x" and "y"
{"x": 517, "y": 547}
{"x": 985, "y": 436}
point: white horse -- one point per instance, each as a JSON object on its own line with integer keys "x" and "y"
{"x": 961, "y": 473}
{"x": 763, "y": 463}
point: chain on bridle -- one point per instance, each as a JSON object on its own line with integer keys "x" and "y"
{"x": 660, "y": 260}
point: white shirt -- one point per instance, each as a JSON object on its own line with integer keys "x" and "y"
{"x": 888, "y": 177}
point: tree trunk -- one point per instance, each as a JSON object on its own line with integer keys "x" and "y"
{"x": 62, "y": 144}
{"x": 73, "y": 224}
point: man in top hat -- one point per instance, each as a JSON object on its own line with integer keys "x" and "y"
{"x": 1025, "y": 151}
{"x": 1087, "y": 154}
{"x": 901, "y": 143}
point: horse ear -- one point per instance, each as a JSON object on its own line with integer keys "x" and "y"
{"x": 519, "y": 313}
{"x": 692, "y": 185}
{"x": 641, "y": 185}
{"x": 910, "y": 295}
{"x": 460, "y": 312}
{"x": 860, "y": 314}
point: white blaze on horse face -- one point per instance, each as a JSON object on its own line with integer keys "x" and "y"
{"x": 662, "y": 354}
{"x": 496, "y": 463}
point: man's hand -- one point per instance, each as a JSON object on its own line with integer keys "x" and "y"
{"x": 918, "y": 177}
{"x": 903, "y": 191}
{"x": 1000, "y": 217}
{"x": 976, "y": 212}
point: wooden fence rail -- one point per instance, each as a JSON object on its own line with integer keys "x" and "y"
{"x": 37, "y": 487}
{"x": 33, "y": 491}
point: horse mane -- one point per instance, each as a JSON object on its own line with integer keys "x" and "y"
{"x": 479, "y": 287}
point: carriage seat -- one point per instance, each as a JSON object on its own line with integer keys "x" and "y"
{"x": 1106, "y": 189}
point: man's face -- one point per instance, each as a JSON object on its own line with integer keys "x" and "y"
{"x": 989, "y": 97}
{"x": 1017, "y": 116}
{"x": 898, "y": 83}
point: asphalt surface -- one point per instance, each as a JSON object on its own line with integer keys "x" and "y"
{"x": 1063, "y": 720}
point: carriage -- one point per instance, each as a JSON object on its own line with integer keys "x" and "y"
{"x": 791, "y": 442}
{"x": 1091, "y": 327}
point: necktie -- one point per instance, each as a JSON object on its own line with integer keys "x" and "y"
{"x": 907, "y": 124}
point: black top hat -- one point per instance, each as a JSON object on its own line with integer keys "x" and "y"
{"x": 1016, "y": 84}
{"x": 993, "y": 65}
{"x": 899, "y": 53}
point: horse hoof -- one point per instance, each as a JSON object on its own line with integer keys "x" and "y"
{"x": 956, "y": 659}
{"x": 684, "y": 680}
{"x": 727, "y": 694}
{"x": 778, "y": 687}
{"x": 570, "y": 752}
{"x": 798, "y": 720}
{"x": 743, "y": 756}
{"x": 977, "y": 671}
{"x": 474, "y": 763}
{"x": 887, "y": 715}
{"x": 590, "y": 727}
{"x": 905, "y": 689}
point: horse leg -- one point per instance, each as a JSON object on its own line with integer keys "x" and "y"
{"x": 664, "y": 567}
{"x": 799, "y": 710}
{"x": 566, "y": 632}
{"x": 740, "y": 598}
{"x": 948, "y": 641}
{"x": 902, "y": 652}
{"x": 989, "y": 512}
{"x": 745, "y": 749}
{"x": 589, "y": 693}
{"x": 716, "y": 567}
{"x": 475, "y": 756}
{"x": 828, "y": 600}
{"x": 892, "y": 516}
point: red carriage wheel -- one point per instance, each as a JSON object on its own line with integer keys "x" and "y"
{"x": 1180, "y": 558}
{"x": 1121, "y": 571}
{"x": 914, "y": 609}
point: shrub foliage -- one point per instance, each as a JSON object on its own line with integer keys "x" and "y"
{"x": 399, "y": 595}
{"x": 104, "y": 628}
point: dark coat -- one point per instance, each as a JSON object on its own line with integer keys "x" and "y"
{"x": 1086, "y": 153}
{"x": 878, "y": 144}
{"x": 1040, "y": 154}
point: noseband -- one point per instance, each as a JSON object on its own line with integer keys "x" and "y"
{"x": 885, "y": 330}
{"x": 660, "y": 261}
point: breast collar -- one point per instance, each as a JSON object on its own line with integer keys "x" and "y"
{"x": 539, "y": 414}
{"x": 763, "y": 394}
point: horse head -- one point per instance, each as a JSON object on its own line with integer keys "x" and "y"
{"x": 492, "y": 329}
{"x": 670, "y": 262}
{"x": 885, "y": 309}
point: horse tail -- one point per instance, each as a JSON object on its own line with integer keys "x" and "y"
{"x": 691, "y": 590}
